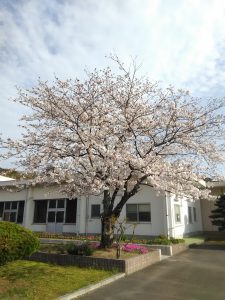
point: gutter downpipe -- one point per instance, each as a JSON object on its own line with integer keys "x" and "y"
{"x": 167, "y": 216}
{"x": 25, "y": 207}
{"x": 86, "y": 214}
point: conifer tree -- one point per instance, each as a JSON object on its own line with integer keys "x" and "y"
{"x": 218, "y": 214}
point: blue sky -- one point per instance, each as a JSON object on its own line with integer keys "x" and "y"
{"x": 179, "y": 42}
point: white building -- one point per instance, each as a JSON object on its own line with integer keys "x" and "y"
{"x": 43, "y": 209}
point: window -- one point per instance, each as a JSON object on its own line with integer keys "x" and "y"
{"x": 71, "y": 211}
{"x": 95, "y": 211}
{"x": 177, "y": 213}
{"x": 12, "y": 211}
{"x": 190, "y": 215}
{"x": 194, "y": 214}
{"x": 20, "y": 212}
{"x": 40, "y": 211}
{"x": 1, "y": 209}
{"x": 138, "y": 212}
{"x": 55, "y": 211}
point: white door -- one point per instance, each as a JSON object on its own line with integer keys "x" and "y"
{"x": 56, "y": 215}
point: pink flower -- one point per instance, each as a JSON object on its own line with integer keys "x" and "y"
{"x": 135, "y": 248}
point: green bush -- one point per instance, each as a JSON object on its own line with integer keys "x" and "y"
{"x": 159, "y": 241}
{"x": 163, "y": 240}
{"x": 177, "y": 241}
{"x": 16, "y": 242}
{"x": 84, "y": 249}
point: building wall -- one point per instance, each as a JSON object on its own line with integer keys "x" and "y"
{"x": 86, "y": 224}
{"x": 184, "y": 227}
{"x": 162, "y": 212}
{"x": 146, "y": 195}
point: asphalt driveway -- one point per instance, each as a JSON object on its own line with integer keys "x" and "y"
{"x": 196, "y": 274}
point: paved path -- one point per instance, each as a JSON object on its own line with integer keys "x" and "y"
{"x": 193, "y": 275}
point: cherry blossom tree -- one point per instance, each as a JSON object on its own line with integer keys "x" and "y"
{"x": 112, "y": 132}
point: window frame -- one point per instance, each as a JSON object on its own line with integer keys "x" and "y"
{"x": 96, "y": 216}
{"x": 137, "y": 213}
{"x": 12, "y": 210}
{"x": 195, "y": 214}
{"x": 55, "y": 210}
{"x": 175, "y": 214}
{"x": 190, "y": 217}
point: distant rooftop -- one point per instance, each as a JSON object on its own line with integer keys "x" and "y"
{"x": 4, "y": 178}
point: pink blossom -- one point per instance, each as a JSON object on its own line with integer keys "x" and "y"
{"x": 135, "y": 248}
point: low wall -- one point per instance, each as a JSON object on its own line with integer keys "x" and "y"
{"x": 169, "y": 250}
{"x": 178, "y": 248}
{"x": 127, "y": 266}
{"x": 142, "y": 261}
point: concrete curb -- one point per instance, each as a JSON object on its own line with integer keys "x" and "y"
{"x": 91, "y": 287}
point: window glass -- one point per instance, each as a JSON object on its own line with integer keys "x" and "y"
{"x": 52, "y": 203}
{"x": 132, "y": 212}
{"x": 40, "y": 211}
{"x": 177, "y": 213}
{"x": 71, "y": 211}
{"x": 14, "y": 205}
{"x": 59, "y": 216}
{"x": 138, "y": 212}
{"x": 144, "y": 212}
{"x": 61, "y": 203}
{"x": 7, "y": 205}
{"x": 12, "y": 211}
{"x": 51, "y": 217}
{"x": 12, "y": 217}
{"x": 20, "y": 212}
{"x": 1, "y": 209}
{"x": 6, "y": 216}
{"x": 194, "y": 214}
{"x": 95, "y": 211}
{"x": 189, "y": 214}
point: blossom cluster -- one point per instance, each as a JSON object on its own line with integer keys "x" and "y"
{"x": 135, "y": 248}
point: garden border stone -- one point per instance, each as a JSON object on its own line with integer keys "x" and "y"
{"x": 169, "y": 250}
{"x": 91, "y": 287}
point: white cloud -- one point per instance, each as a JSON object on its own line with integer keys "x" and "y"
{"x": 178, "y": 41}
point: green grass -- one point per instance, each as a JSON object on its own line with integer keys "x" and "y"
{"x": 194, "y": 240}
{"x": 30, "y": 280}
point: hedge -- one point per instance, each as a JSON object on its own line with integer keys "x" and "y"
{"x": 16, "y": 242}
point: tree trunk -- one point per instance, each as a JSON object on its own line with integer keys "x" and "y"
{"x": 107, "y": 233}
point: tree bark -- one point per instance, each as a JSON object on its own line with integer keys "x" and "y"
{"x": 108, "y": 222}
{"x": 107, "y": 234}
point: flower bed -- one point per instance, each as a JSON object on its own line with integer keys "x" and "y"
{"x": 159, "y": 240}
{"x": 168, "y": 246}
{"x": 127, "y": 266}
{"x": 47, "y": 235}
{"x": 133, "y": 257}
{"x": 93, "y": 249}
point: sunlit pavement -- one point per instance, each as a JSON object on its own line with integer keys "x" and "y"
{"x": 196, "y": 274}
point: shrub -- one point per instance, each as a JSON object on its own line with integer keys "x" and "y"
{"x": 177, "y": 241}
{"x": 159, "y": 241}
{"x": 84, "y": 249}
{"x": 16, "y": 242}
{"x": 163, "y": 240}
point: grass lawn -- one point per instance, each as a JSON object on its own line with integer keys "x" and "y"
{"x": 39, "y": 281}
{"x": 194, "y": 240}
